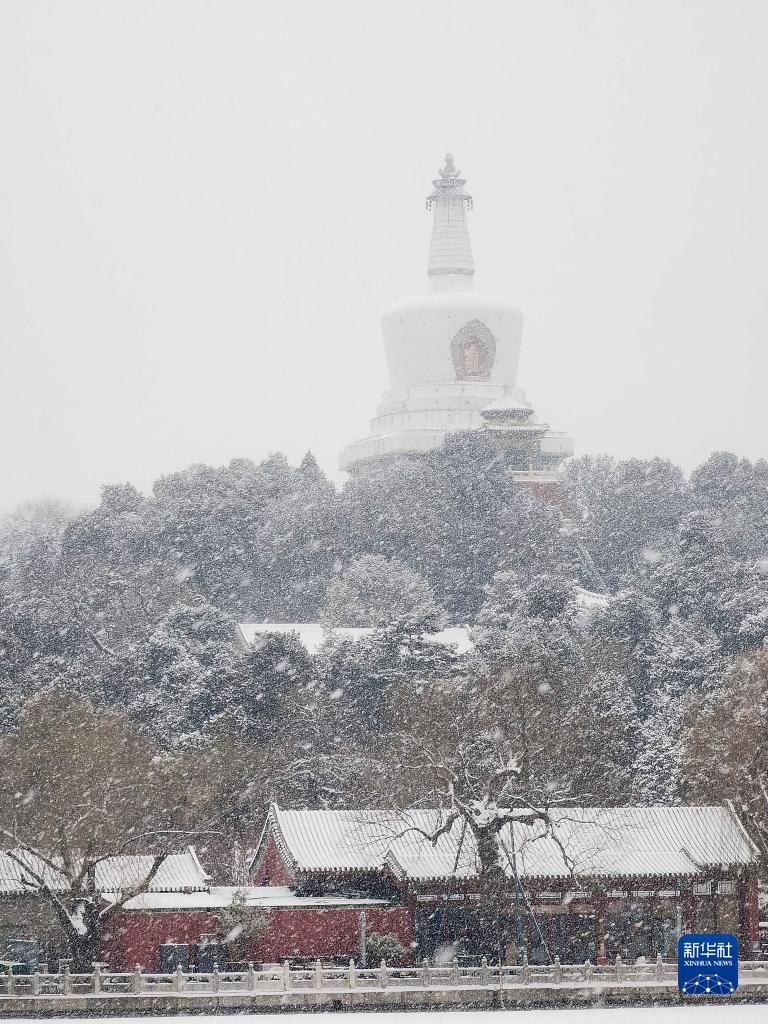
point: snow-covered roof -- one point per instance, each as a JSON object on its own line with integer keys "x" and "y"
{"x": 509, "y": 404}
{"x": 589, "y": 602}
{"x": 313, "y": 634}
{"x": 12, "y": 873}
{"x": 590, "y": 842}
{"x": 264, "y": 897}
{"x": 179, "y": 872}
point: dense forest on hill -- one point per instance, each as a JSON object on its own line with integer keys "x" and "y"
{"x": 126, "y": 614}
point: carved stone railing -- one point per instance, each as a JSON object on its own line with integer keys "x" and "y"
{"x": 322, "y": 977}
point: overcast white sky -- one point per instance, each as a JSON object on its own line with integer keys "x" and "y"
{"x": 204, "y": 206}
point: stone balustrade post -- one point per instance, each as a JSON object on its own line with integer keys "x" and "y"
{"x": 352, "y": 974}
{"x": 36, "y": 984}
{"x": 286, "y": 976}
{"x": 485, "y": 974}
{"x": 619, "y": 969}
{"x": 557, "y": 971}
{"x": 215, "y": 978}
{"x": 251, "y": 977}
{"x": 136, "y": 982}
{"x": 425, "y": 973}
{"x": 526, "y": 972}
{"x": 659, "y": 968}
{"x": 96, "y": 979}
{"x": 318, "y": 975}
{"x": 589, "y": 970}
{"x": 179, "y": 979}
{"x": 455, "y": 977}
{"x": 383, "y": 976}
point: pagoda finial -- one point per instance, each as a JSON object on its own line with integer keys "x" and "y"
{"x": 450, "y": 183}
{"x": 449, "y": 171}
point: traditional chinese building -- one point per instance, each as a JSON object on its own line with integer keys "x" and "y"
{"x": 623, "y": 881}
{"x": 605, "y": 882}
{"x": 452, "y": 355}
{"x": 177, "y": 920}
{"x": 30, "y": 929}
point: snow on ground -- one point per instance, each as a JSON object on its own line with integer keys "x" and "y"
{"x": 721, "y": 1013}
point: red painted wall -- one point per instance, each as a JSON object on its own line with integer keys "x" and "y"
{"x": 269, "y": 869}
{"x": 132, "y": 938}
{"x": 315, "y": 932}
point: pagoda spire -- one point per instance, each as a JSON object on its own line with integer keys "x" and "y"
{"x": 450, "y": 264}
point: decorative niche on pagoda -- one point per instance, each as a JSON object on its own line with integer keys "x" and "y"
{"x": 452, "y": 355}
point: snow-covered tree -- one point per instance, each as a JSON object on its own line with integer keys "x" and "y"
{"x": 734, "y": 492}
{"x": 700, "y": 579}
{"x": 443, "y": 514}
{"x": 30, "y": 536}
{"x": 462, "y": 748}
{"x": 541, "y": 540}
{"x": 259, "y": 540}
{"x": 78, "y": 786}
{"x": 384, "y": 946}
{"x": 726, "y": 743}
{"x": 530, "y": 628}
{"x": 184, "y": 675}
{"x": 377, "y": 591}
{"x": 621, "y": 639}
{"x": 625, "y": 510}
{"x": 686, "y": 663}
{"x": 603, "y": 739}
{"x": 278, "y": 678}
{"x": 367, "y": 678}
{"x": 240, "y": 923}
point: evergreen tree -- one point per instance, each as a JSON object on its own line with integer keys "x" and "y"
{"x": 701, "y": 580}
{"x": 540, "y": 539}
{"x": 185, "y": 674}
{"x": 621, "y": 639}
{"x": 375, "y": 591}
{"x": 259, "y": 541}
{"x": 625, "y": 511}
{"x": 529, "y": 643}
{"x": 603, "y": 738}
{"x": 278, "y": 684}
{"x": 685, "y": 664}
{"x": 734, "y": 493}
{"x": 443, "y": 514}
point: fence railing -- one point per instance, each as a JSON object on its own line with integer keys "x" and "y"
{"x": 320, "y": 977}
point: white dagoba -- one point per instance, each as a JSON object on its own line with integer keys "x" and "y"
{"x": 452, "y": 355}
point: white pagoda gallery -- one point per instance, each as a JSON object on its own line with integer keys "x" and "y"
{"x": 452, "y": 355}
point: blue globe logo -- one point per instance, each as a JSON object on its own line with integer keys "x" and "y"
{"x": 700, "y": 984}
